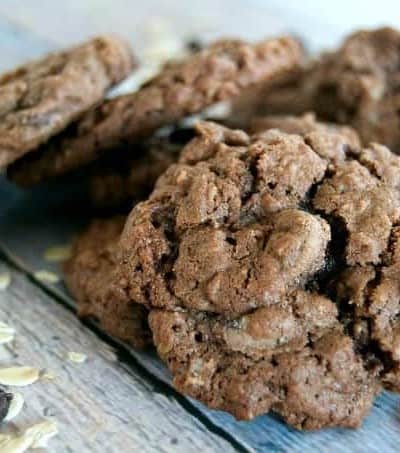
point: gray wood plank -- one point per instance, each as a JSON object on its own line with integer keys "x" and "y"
{"x": 100, "y": 405}
{"x": 30, "y": 222}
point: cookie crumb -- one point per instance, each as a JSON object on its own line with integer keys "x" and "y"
{"x": 35, "y": 436}
{"x": 7, "y": 333}
{"x": 76, "y": 357}
{"x": 57, "y": 253}
{"x": 18, "y": 376}
{"x": 5, "y": 280}
{"x": 15, "y": 407}
{"x": 46, "y": 276}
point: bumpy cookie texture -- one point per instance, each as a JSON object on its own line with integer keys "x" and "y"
{"x": 292, "y": 358}
{"x": 330, "y": 141}
{"x": 92, "y": 276}
{"x": 216, "y": 73}
{"x": 371, "y": 303}
{"x": 269, "y": 265}
{"x": 40, "y": 99}
{"x": 356, "y": 85}
{"x": 222, "y": 231}
{"x": 368, "y": 209}
{"x": 131, "y": 175}
{"x": 361, "y": 80}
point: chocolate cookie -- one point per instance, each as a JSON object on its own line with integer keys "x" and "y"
{"x": 40, "y": 99}
{"x": 93, "y": 279}
{"x": 331, "y": 141}
{"x": 244, "y": 255}
{"x": 291, "y": 357}
{"x": 356, "y": 85}
{"x": 119, "y": 179}
{"x": 263, "y": 99}
{"x": 368, "y": 289}
{"x": 131, "y": 175}
{"x": 229, "y": 189}
{"x": 218, "y": 72}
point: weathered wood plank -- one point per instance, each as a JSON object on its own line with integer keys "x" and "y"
{"x": 100, "y": 405}
{"x": 35, "y": 221}
{"x": 29, "y": 223}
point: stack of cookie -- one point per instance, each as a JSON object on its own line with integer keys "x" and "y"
{"x": 356, "y": 85}
{"x": 219, "y": 72}
{"x": 265, "y": 264}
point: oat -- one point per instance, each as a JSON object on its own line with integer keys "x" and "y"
{"x": 5, "y": 280}
{"x": 35, "y": 436}
{"x": 18, "y": 376}
{"x": 76, "y": 357}
{"x": 168, "y": 48}
{"x": 6, "y": 333}
{"x": 46, "y": 276}
{"x": 48, "y": 376}
{"x": 221, "y": 110}
{"x": 134, "y": 82}
{"x": 16, "y": 406}
{"x": 42, "y": 433}
{"x": 57, "y": 253}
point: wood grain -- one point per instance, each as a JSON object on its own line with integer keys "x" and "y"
{"x": 34, "y": 221}
{"x": 135, "y": 413}
{"x": 100, "y": 405}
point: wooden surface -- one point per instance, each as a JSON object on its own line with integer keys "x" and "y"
{"x": 101, "y": 404}
{"x": 120, "y": 399}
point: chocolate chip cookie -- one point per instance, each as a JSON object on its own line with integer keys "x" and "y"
{"x": 40, "y": 99}
{"x": 92, "y": 276}
{"x": 216, "y": 73}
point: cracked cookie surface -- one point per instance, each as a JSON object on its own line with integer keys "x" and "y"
{"x": 369, "y": 297}
{"x": 292, "y": 358}
{"x": 242, "y": 253}
{"x": 216, "y": 73}
{"x": 223, "y": 230}
{"x": 40, "y": 99}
